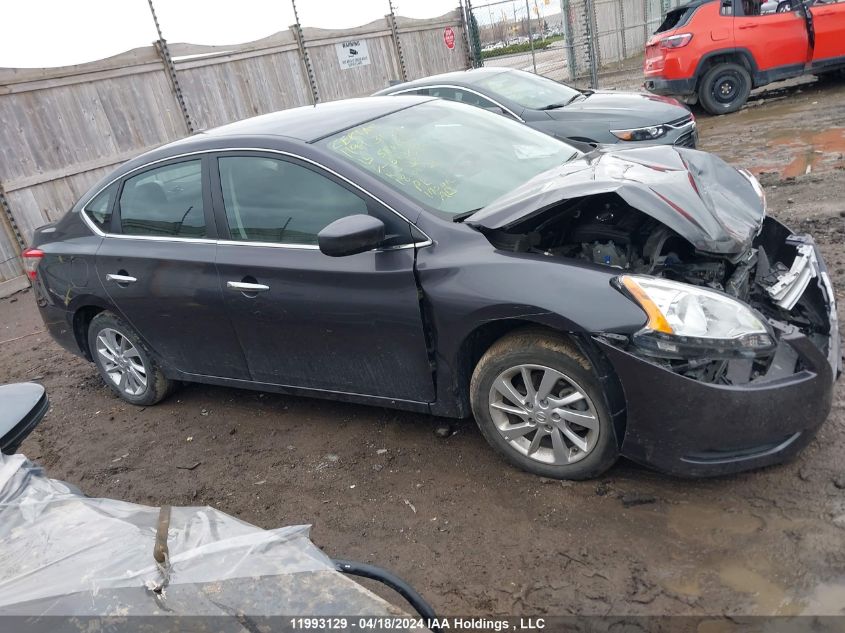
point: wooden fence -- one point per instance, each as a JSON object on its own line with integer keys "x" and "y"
{"x": 62, "y": 129}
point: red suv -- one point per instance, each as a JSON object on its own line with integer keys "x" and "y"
{"x": 715, "y": 51}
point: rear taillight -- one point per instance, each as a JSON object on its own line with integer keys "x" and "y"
{"x": 676, "y": 41}
{"x": 31, "y": 258}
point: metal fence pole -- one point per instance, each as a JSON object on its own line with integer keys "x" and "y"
{"x": 595, "y": 39}
{"x": 472, "y": 37}
{"x": 645, "y": 21}
{"x": 530, "y": 36}
{"x": 170, "y": 69}
{"x": 10, "y": 219}
{"x": 591, "y": 51}
{"x": 624, "y": 47}
{"x": 569, "y": 44}
{"x": 394, "y": 31}
{"x": 296, "y": 29}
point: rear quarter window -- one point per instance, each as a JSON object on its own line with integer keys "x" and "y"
{"x": 99, "y": 209}
{"x": 676, "y": 18}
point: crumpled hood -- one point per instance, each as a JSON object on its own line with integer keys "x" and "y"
{"x": 717, "y": 208}
{"x": 623, "y": 109}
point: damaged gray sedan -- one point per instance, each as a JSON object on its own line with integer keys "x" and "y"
{"x": 423, "y": 255}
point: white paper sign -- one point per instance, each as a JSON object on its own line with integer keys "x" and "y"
{"x": 352, "y": 53}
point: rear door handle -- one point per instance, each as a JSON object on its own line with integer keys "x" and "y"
{"x": 748, "y": 26}
{"x": 241, "y": 286}
{"x": 120, "y": 279}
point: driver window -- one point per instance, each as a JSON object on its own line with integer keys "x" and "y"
{"x": 751, "y": 8}
{"x": 272, "y": 200}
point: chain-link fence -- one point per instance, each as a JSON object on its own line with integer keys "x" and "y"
{"x": 581, "y": 42}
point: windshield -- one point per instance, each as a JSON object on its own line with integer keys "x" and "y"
{"x": 528, "y": 90}
{"x": 449, "y": 157}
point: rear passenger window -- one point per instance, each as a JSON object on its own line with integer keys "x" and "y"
{"x": 270, "y": 200}
{"x": 164, "y": 201}
{"x": 99, "y": 209}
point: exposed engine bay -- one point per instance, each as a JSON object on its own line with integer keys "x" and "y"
{"x": 778, "y": 276}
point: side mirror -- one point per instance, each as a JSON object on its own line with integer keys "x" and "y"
{"x": 22, "y": 405}
{"x": 350, "y": 235}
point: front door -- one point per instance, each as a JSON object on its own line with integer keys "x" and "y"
{"x": 157, "y": 266}
{"x": 343, "y": 324}
{"x": 829, "y": 27}
{"x": 778, "y": 42}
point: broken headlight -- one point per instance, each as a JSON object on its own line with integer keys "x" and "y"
{"x": 686, "y": 320}
{"x": 640, "y": 134}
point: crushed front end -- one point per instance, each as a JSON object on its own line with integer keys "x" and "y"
{"x": 699, "y": 410}
{"x": 734, "y": 367}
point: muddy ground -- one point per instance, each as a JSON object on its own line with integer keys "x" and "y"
{"x": 472, "y": 534}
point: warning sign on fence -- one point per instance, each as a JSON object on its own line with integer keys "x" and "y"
{"x": 449, "y": 37}
{"x": 352, "y": 53}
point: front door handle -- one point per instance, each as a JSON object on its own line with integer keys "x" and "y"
{"x": 121, "y": 279}
{"x": 241, "y": 286}
{"x": 748, "y": 26}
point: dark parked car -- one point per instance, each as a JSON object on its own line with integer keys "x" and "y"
{"x": 22, "y": 406}
{"x": 414, "y": 253}
{"x": 582, "y": 118}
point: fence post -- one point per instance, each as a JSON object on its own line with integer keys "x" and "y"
{"x": 624, "y": 48}
{"x": 530, "y": 36}
{"x": 296, "y": 29}
{"x": 170, "y": 69}
{"x": 475, "y": 59}
{"x": 592, "y": 48}
{"x": 645, "y": 21}
{"x": 394, "y": 31}
{"x": 566, "y": 23}
{"x": 10, "y": 219}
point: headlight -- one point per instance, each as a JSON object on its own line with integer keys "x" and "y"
{"x": 685, "y": 320}
{"x": 640, "y": 134}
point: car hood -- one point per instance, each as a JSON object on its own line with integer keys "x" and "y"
{"x": 717, "y": 208}
{"x": 16, "y": 402}
{"x": 623, "y": 108}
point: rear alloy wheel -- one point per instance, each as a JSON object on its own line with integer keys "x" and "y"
{"x": 538, "y": 402}
{"x": 724, "y": 88}
{"x": 124, "y": 362}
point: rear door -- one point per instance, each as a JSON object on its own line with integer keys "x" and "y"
{"x": 157, "y": 266}
{"x": 778, "y": 42}
{"x": 829, "y": 27}
{"x": 344, "y": 324}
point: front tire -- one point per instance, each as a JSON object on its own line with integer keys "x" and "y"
{"x": 724, "y": 88}
{"x": 125, "y": 363}
{"x": 539, "y": 403}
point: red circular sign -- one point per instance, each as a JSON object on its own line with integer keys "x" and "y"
{"x": 449, "y": 37}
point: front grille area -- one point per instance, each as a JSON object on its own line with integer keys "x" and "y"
{"x": 686, "y": 140}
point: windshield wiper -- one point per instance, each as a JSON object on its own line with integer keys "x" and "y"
{"x": 460, "y": 217}
{"x": 562, "y": 104}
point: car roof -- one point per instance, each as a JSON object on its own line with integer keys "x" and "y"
{"x": 310, "y": 123}
{"x": 460, "y": 77}
{"x": 304, "y": 124}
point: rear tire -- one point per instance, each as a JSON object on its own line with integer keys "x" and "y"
{"x": 559, "y": 427}
{"x": 125, "y": 363}
{"x": 724, "y": 88}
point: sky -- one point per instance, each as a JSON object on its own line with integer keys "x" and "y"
{"x": 41, "y": 33}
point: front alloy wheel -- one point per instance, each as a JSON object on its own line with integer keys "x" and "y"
{"x": 538, "y": 402}
{"x": 544, "y": 414}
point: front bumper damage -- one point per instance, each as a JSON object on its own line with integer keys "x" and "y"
{"x": 694, "y": 428}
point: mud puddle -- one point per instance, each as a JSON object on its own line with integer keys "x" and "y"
{"x": 789, "y": 132}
